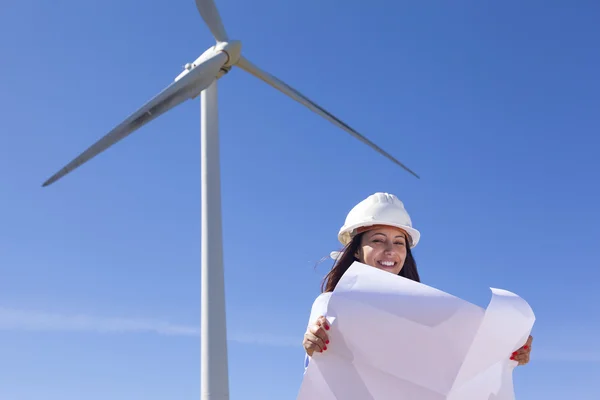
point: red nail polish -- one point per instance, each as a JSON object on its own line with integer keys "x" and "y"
{"x": 327, "y": 342}
{"x": 525, "y": 347}
{"x": 327, "y": 327}
{"x": 512, "y": 357}
{"x": 324, "y": 348}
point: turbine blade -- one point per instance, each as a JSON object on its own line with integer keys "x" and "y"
{"x": 299, "y": 97}
{"x": 210, "y": 14}
{"x": 189, "y": 86}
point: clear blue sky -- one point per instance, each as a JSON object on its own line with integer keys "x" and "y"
{"x": 495, "y": 105}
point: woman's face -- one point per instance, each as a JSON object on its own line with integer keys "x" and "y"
{"x": 383, "y": 248}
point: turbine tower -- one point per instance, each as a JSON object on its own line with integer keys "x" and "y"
{"x": 200, "y": 78}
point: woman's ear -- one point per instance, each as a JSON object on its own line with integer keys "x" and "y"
{"x": 358, "y": 254}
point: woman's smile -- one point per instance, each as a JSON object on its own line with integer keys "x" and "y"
{"x": 386, "y": 263}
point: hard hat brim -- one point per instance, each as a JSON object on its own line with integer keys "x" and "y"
{"x": 347, "y": 232}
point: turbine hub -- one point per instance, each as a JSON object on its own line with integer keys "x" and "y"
{"x": 233, "y": 49}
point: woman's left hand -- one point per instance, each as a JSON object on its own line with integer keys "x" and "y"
{"x": 522, "y": 355}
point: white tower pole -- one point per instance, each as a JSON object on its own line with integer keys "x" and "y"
{"x": 213, "y": 332}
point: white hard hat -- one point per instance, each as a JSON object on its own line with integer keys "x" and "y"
{"x": 378, "y": 209}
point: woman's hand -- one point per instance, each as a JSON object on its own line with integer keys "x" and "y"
{"x": 316, "y": 338}
{"x": 522, "y": 355}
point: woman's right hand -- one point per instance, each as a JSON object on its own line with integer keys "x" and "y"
{"x": 316, "y": 338}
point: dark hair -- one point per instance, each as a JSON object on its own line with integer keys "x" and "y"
{"x": 343, "y": 262}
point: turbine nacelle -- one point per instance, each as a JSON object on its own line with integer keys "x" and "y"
{"x": 232, "y": 49}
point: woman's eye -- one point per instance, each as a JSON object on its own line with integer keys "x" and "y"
{"x": 400, "y": 243}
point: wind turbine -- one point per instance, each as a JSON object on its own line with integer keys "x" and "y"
{"x": 200, "y": 78}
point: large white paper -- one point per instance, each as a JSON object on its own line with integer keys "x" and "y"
{"x": 394, "y": 338}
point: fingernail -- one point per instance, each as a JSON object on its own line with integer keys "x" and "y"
{"x": 324, "y": 348}
{"x": 327, "y": 327}
{"x": 512, "y": 357}
{"x": 514, "y": 353}
{"x": 327, "y": 342}
{"x": 525, "y": 347}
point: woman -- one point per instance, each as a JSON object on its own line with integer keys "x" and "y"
{"x": 377, "y": 232}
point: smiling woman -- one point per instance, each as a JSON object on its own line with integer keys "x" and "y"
{"x": 377, "y": 232}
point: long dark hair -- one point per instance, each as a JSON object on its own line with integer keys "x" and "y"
{"x": 343, "y": 262}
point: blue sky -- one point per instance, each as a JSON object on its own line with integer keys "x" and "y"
{"x": 494, "y": 105}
